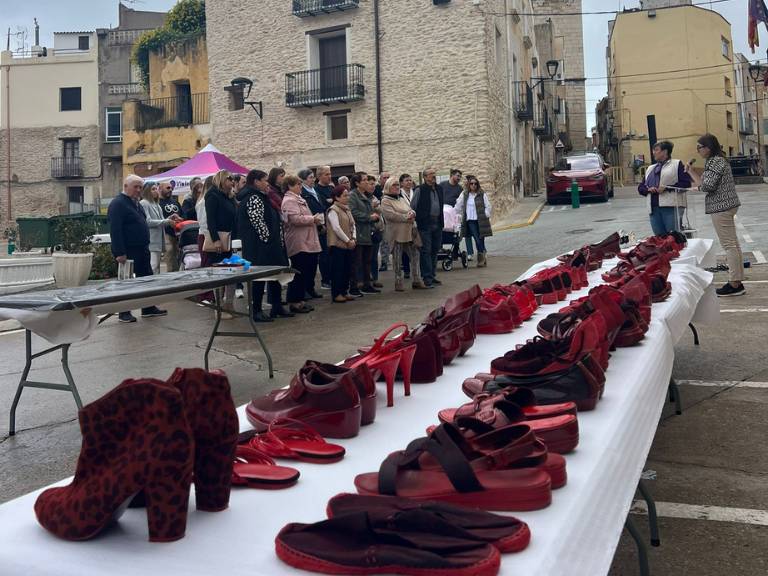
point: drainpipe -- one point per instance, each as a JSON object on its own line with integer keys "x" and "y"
{"x": 8, "y": 137}
{"x": 377, "y": 45}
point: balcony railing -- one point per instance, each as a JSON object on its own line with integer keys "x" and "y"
{"x": 541, "y": 123}
{"x": 523, "y": 101}
{"x": 67, "y": 167}
{"x": 128, "y": 88}
{"x": 172, "y": 112}
{"x": 304, "y": 8}
{"x": 325, "y": 85}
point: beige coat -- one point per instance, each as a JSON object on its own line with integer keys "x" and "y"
{"x": 395, "y": 210}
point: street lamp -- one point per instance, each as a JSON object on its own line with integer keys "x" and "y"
{"x": 755, "y": 72}
{"x": 552, "y": 67}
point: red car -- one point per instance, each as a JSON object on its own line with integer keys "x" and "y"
{"x": 588, "y": 170}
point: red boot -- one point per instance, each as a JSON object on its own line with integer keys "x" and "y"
{"x": 213, "y": 418}
{"x": 135, "y": 438}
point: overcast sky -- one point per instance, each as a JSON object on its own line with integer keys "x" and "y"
{"x": 63, "y": 15}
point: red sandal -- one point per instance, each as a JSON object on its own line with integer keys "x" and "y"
{"x": 478, "y": 483}
{"x": 254, "y": 469}
{"x": 295, "y": 440}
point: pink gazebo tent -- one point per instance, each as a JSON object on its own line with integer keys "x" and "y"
{"x": 205, "y": 163}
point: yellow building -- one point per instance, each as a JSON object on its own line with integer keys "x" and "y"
{"x": 676, "y": 64}
{"x": 173, "y": 125}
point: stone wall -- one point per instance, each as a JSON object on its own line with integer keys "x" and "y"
{"x": 570, "y": 29}
{"x": 436, "y": 106}
{"x": 33, "y": 191}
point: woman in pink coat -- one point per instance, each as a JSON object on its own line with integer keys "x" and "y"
{"x": 301, "y": 243}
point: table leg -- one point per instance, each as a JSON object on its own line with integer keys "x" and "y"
{"x": 249, "y": 289}
{"x": 642, "y": 550}
{"x": 674, "y": 396}
{"x": 218, "y": 297}
{"x": 653, "y": 521}
{"x": 695, "y": 333}
{"x": 25, "y": 383}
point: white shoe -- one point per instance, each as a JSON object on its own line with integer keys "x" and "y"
{"x": 239, "y": 293}
{"x": 469, "y": 257}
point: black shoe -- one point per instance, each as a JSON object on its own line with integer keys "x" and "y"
{"x": 261, "y": 317}
{"x": 729, "y": 290}
{"x": 436, "y": 282}
{"x": 407, "y": 276}
{"x": 312, "y": 296}
{"x": 325, "y": 285}
{"x": 305, "y": 309}
{"x": 355, "y": 293}
{"x": 369, "y": 290}
{"x": 153, "y": 312}
{"x": 126, "y": 317}
{"x": 383, "y": 267}
{"x": 281, "y": 313}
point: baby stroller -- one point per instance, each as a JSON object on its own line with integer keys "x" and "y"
{"x": 450, "y": 249}
{"x": 187, "y": 232}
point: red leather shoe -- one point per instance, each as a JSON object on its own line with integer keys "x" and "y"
{"x": 332, "y": 408}
{"x": 522, "y": 397}
{"x": 466, "y": 319}
{"x": 361, "y": 376}
{"x": 608, "y": 248}
{"x": 498, "y": 314}
{"x": 135, "y": 438}
{"x": 462, "y": 300}
{"x": 386, "y": 357}
{"x": 428, "y": 359}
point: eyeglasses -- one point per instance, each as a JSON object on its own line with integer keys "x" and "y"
{"x": 473, "y": 183}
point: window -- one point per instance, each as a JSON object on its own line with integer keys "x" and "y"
{"x": 84, "y": 42}
{"x": 114, "y": 125}
{"x": 76, "y": 198}
{"x": 727, "y": 86}
{"x": 729, "y": 120}
{"x": 726, "y": 47}
{"x": 337, "y": 126}
{"x": 730, "y": 150}
{"x": 70, "y": 99}
{"x": 70, "y": 147}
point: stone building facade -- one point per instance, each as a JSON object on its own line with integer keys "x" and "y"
{"x": 446, "y": 93}
{"x": 119, "y": 80}
{"x": 568, "y": 31}
{"x": 55, "y": 165}
{"x": 173, "y": 124}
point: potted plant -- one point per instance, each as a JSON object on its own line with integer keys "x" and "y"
{"x": 72, "y": 261}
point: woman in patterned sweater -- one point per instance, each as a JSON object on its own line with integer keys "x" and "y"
{"x": 722, "y": 203}
{"x": 261, "y": 232}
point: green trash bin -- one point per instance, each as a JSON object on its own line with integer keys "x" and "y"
{"x": 35, "y": 232}
{"x": 102, "y": 224}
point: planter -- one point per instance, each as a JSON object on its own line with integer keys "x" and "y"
{"x": 70, "y": 270}
{"x": 19, "y": 274}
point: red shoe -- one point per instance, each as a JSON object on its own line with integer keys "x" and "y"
{"x": 387, "y": 357}
{"x": 356, "y": 543}
{"x": 498, "y": 314}
{"x": 506, "y": 533}
{"x": 444, "y": 322}
{"x": 332, "y": 408}
{"x": 135, "y": 438}
{"x": 462, "y": 300}
{"x": 213, "y": 418}
{"x": 477, "y": 483}
{"x": 254, "y": 469}
{"x": 607, "y": 248}
{"x": 361, "y": 375}
{"x": 295, "y": 440}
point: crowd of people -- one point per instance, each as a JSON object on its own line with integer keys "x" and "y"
{"x": 349, "y": 231}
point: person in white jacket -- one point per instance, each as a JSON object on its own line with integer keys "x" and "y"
{"x": 156, "y": 222}
{"x": 474, "y": 208}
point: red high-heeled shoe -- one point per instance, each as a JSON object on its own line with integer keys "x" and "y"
{"x": 388, "y": 357}
{"x": 135, "y": 438}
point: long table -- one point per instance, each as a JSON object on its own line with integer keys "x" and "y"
{"x": 69, "y": 315}
{"x": 576, "y": 535}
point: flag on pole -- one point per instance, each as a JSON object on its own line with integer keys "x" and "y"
{"x": 757, "y": 13}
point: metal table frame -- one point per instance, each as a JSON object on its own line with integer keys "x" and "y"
{"x": 71, "y": 387}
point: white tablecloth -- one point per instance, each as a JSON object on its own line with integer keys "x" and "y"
{"x": 576, "y": 535}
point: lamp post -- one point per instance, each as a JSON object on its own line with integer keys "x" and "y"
{"x": 755, "y": 72}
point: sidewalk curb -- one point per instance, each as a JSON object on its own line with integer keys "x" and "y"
{"x": 531, "y": 219}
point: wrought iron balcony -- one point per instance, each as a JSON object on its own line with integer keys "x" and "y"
{"x": 127, "y": 88}
{"x": 542, "y": 126}
{"x": 323, "y": 86}
{"x": 304, "y": 8}
{"x": 172, "y": 112}
{"x": 523, "y": 101}
{"x": 67, "y": 167}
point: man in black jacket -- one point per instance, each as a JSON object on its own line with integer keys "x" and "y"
{"x": 171, "y": 207}
{"x": 129, "y": 235}
{"x": 427, "y": 202}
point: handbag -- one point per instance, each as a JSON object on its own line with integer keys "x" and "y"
{"x": 416, "y": 238}
{"x": 224, "y": 237}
